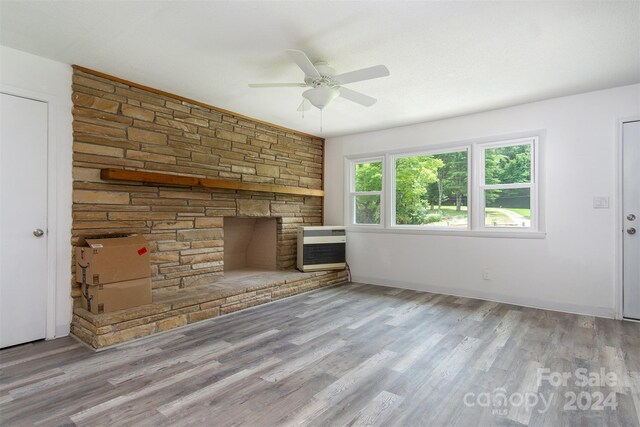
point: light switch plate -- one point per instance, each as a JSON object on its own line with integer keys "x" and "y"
{"x": 600, "y": 202}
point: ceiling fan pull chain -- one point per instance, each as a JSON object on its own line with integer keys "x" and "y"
{"x": 320, "y": 121}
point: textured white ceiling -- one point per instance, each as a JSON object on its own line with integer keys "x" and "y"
{"x": 446, "y": 58}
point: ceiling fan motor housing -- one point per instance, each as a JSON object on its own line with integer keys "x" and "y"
{"x": 326, "y": 76}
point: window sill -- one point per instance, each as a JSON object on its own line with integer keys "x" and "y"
{"x": 504, "y": 234}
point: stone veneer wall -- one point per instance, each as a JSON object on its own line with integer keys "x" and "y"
{"x": 116, "y": 125}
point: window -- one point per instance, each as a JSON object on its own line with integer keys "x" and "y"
{"x": 476, "y": 187}
{"x": 366, "y": 192}
{"x": 507, "y": 184}
{"x": 432, "y": 189}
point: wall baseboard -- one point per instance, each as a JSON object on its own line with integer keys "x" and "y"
{"x": 606, "y": 312}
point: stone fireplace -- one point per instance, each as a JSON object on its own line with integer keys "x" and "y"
{"x": 120, "y": 125}
{"x": 214, "y": 249}
{"x": 250, "y": 244}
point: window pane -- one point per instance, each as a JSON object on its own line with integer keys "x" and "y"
{"x": 508, "y": 165}
{"x": 369, "y": 176}
{"x": 367, "y": 209}
{"x": 508, "y": 208}
{"x": 432, "y": 190}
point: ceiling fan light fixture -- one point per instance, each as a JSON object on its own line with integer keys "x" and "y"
{"x": 320, "y": 97}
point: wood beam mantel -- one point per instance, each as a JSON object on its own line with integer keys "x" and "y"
{"x": 192, "y": 181}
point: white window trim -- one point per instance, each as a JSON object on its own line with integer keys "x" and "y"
{"x": 352, "y": 193}
{"x": 532, "y": 184}
{"x": 475, "y": 206}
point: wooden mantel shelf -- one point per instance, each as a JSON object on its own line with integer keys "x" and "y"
{"x": 191, "y": 181}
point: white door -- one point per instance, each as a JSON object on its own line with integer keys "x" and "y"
{"x": 23, "y": 220}
{"x": 631, "y": 218}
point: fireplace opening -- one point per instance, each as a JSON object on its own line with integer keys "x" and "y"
{"x": 250, "y": 244}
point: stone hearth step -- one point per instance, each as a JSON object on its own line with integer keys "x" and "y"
{"x": 172, "y": 309}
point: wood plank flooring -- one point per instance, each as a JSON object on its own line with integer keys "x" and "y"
{"x": 352, "y": 355}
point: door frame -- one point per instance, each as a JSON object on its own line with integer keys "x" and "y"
{"x": 52, "y": 229}
{"x": 619, "y": 253}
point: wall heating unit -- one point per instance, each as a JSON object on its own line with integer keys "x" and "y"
{"x": 321, "y": 248}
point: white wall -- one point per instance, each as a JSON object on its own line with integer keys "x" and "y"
{"x": 574, "y": 268}
{"x": 39, "y": 78}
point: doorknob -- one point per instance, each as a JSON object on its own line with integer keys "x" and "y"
{"x": 631, "y": 230}
{"x": 631, "y": 217}
{"x": 38, "y": 232}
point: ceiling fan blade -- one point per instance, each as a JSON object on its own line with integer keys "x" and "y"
{"x": 357, "y": 97}
{"x": 304, "y": 106}
{"x": 363, "y": 74}
{"x": 258, "y": 85}
{"x": 304, "y": 63}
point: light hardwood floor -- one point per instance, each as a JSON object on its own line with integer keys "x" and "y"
{"x": 347, "y": 355}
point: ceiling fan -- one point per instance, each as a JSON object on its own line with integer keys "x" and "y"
{"x": 325, "y": 85}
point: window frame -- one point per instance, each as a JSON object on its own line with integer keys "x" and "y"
{"x": 353, "y": 193}
{"x": 483, "y": 186}
{"x": 429, "y": 152}
{"x": 475, "y": 189}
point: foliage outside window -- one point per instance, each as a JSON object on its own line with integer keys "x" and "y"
{"x": 507, "y": 185}
{"x": 367, "y": 192}
{"x": 432, "y": 190}
{"x": 437, "y": 189}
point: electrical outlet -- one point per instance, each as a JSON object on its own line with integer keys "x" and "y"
{"x": 486, "y": 274}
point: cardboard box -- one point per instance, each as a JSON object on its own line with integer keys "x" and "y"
{"x": 110, "y": 297}
{"x": 112, "y": 259}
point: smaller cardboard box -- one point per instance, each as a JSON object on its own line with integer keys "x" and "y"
{"x": 116, "y": 296}
{"x": 112, "y": 259}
